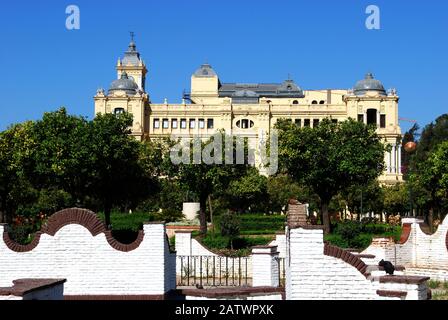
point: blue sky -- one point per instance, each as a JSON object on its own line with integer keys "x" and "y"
{"x": 321, "y": 43}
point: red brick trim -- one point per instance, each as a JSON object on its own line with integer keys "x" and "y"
{"x": 348, "y": 257}
{"x": 404, "y": 279}
{"x": 407, "y": 227}
{"x": 83, "y": 217}
{"x": 22, "y": 287}
{"x": 116, "y": 297}
{"x": 364, "y": 256}
{"x": 232, "y": 292}
{"x": 391, "y": 294}
{"x": 14, "y": 246}
{"x": 124, "y": 247}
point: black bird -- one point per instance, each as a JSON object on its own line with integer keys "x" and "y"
{"x": 388, "y": 266}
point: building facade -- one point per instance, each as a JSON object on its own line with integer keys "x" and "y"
{"x": 249, "y": 110}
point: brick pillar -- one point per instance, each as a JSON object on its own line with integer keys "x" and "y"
{"x": 265, "y": 266}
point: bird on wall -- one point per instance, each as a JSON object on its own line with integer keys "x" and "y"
{"x": 388, "y": 266}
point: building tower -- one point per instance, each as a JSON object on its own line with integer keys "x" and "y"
{"x": 127, "y": 93}
{"x": 133, "y": 65}
{"x": 370, "y": 103}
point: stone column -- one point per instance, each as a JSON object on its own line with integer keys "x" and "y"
{"x": 394, "y": 158}
{"x": 399, "y": 159}
{"x": 265, "y": 266}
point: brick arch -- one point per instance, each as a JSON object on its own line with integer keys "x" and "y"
{"x": 86, "y": 218}
{"x": 406, "y": 233}
{"x": 346, "y": 256}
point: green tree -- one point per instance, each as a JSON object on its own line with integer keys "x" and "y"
{"x": 116, "y": 176}
{"x": 365, "y": 198}
{"x": 396, "y": 199}
{"x": 16, "y": 146}
{"x": 204, "y": 179}
{"x": 282, "y": 188}
{"x": 230, "y": 226}
{"x": 249, "y": 192}
{"x": 330, "y": 157}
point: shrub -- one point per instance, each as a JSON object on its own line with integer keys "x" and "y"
{"x": 336, "y": 240}
{"x": 348, "y": 230}
{"x": 128, "y": 221}
{"x": 230, "y": 226}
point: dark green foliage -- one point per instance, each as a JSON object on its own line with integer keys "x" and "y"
{"x": 359, "y": 235}
{"x": 128, "y": 221}
{"x": 230, "y": 226}
{"x": 268, "y": 224}
{"x": 241, "y": 245}
{"x": 330, "y": 158}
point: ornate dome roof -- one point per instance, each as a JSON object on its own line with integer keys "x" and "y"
{"x": 205, "y": 70}
{"x": 369, "y": 83}
{"x": 124, "y": 84}
{"x": 289, "y": 87}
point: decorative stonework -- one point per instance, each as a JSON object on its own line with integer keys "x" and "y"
{"x": 83, "y": 217}
{"x": 346, "y": 256}
{"x": 406, "y": 233}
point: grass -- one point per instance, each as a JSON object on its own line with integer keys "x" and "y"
{"x": 440, "y": 289}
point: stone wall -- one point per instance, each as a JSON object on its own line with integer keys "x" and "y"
{"x": 75, "y": 245}
{"x": 418, "y": 252}
{"x": 318, "y": 270}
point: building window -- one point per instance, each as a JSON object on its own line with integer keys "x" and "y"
{"x": 360, "y": 117}
{"x": 118, "y": 110}
{"x": 245, "y": 124}
{"x": 209, "y": 123}
{"x": 192, "y": 123}
{"x": 165, "y": 124}
{"x": 307, "y": 123}
{"x": 156, "y": 123}
{"x": 174, "y": 123}
{"x": 383, "y": 121}
{"x": 201, "y": 124}
{"x": 298, "y": 122}
{"x": 295, "y": 102}
{"x": 322, "y": 102}
{"x": 314, "y": 102}
{"x": 183, "y": 123}
{"x": 372, "y": 116}
{"x": 315, "y": 123}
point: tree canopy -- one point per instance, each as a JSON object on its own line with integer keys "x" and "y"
{"x": 330, "y": 157}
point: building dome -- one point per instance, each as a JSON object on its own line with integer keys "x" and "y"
{"x": 205, "y": 71}
{"x": 369, "y": 83}
{"x": 124, "y": 84}
{"x": 290, "y": 89}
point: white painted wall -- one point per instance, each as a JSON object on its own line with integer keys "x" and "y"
{"x": 91, "y": 266}
{"x": 421, "y": 254}
{"x": 312, "y": 275}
